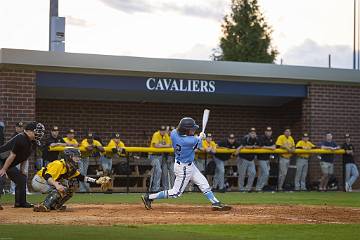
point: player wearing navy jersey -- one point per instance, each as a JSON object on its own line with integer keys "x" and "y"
{"x": 184, "y": 143}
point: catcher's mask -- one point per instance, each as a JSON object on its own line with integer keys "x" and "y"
{"x": 72, "y": 154}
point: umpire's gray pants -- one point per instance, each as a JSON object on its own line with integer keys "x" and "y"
{"x": 264, "y": 172}
{"x": 219, "y": 176}
{"x": 246, "y": 168}
{"x": 301, "y": 173}
{"x": 283, "y": 168}
{"x": 83, "y": 168}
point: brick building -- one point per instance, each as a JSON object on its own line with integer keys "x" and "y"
{"x": 134, "y": 96}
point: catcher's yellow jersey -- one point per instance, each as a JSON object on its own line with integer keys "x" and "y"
{"x": 85, "y": 143}
{"x": 70, "y": 141}
{"x": 285, "y": 141}
{"x": 112, "y": 144}
{"x": 56, "y": 169}
{"x": 302, "y": 144}
{"x": 158, "y": 138}
{"x": 205, "y": 145}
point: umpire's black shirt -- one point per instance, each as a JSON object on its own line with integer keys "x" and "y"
{"x": 21, "y": 145}
{"x": 249, "y": 141}
{"x": 265, "y": 141}
{"x": 226, "y": 144}
{"x": 348, "y": 158}
{"x": 51, "y": 155}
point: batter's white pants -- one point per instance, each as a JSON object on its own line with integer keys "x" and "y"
{"x": 183, "y": 174}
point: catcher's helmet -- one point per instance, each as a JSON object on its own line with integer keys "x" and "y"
{"x": 69, "y": 153}
{"x": 186, "y": 124}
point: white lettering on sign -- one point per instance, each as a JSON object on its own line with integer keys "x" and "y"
{"x": 180, "y": 85}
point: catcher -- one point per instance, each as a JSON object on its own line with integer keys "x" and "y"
{"x": 47, "y": 180}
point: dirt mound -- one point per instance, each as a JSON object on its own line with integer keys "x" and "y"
{"x": 109, "y": 214}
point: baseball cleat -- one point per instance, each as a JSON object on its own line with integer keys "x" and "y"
{"x": 146, "y": 201}
{"x": 1, "y": 208}
{"x": 220, "y": 207}
{"x": 61, "y": 208}
{"x": 41, "y": 208}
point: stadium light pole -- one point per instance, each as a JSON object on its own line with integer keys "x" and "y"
{"x": 54, "y": 6}
{"x": 354, "y": 43}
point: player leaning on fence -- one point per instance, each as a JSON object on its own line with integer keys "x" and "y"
{"x": 302, "y": 162}
{"x": 286, "y": 142}
{"x": 351, "y": 170}
{"x": 327, "y": 161}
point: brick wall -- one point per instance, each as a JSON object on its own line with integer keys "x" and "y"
{"x": 137, "y": 121}
{"x": 334, "y": 108}
{"x": 17, "y": 97}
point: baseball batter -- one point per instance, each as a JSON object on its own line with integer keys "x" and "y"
{"x": 184, "y": 143}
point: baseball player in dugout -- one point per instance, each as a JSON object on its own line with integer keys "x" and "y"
{"x": 208, "y": 149}
{"x": 351, "y": 170}
{"x": 91, "y": 147}
{"x": 220, "y": 158}
{"x": 51, "y": 180}
{"x": 70, "y": 140}
{"x": 167, "y": 166}
{"x": 286, "y": 142}
{"x": 52, "y": 141}
{"x": 21, "y": 146}
{"x": 327, "y": 161}
{"x": 246, "y": 162}
{"x": 160, "y": 139}
{"x": 302, "y": 162}
{"x": 267, "y": 142}
{"x": 184, "y": 143}
{"x": 114, "y": 150}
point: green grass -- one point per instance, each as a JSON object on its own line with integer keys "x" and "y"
{"x": 180, "y": 232}
{"x": 306, "y": 198}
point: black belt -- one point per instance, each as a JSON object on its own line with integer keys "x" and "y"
{"x": 178, "y": 162}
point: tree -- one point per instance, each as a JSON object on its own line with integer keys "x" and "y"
{"x": 246, "y": 35}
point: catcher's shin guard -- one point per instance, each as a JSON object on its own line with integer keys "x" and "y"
{"x": 51, "y": 199}
{"x": 68, "y": 194}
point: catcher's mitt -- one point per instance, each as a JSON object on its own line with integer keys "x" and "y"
{"x": 105, "y": 183}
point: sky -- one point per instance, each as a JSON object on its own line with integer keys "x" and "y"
{"x": 305, "y": 32}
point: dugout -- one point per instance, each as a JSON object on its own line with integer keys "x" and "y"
{"x": 134, "y": 96}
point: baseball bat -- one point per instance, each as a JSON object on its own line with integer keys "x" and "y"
{"x": 205, "y": 119}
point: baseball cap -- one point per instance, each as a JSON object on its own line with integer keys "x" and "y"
{"x": 209, "y": 135}
{"x": 116, "y": 135}
{"x": 231, "y": 136}
{"x": 347, "y": 135}
{"x": 19, "y": 124}
{"x": 252, "y": 129}
{"x": 162, "y": 128}
{"x": 71, "y": 131}
{"x": 55, "y": 128}
{"x": 90, "y": 135}
{"x": 305, "y": 135}
{"x": 268, "y": 129}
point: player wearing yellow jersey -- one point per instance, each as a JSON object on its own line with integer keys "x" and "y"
{"x": 286, "y": 142}
{"x": 209, "y": 149}
{"x": 48, "y": 180}
{"x": 302, "y": 163}
{"x": 70, "y": 140}
{"x": 167, "y": 165}
{"x": 160, "y": 139}
{"x": 91, "y": 147}
{"x": 116, "y": 148}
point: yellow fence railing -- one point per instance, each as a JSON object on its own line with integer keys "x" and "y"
{"x": 218, "y": 150}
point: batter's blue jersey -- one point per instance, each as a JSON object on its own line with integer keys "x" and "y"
{"x": 184, "y": 146}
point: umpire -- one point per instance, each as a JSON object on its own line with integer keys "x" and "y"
{"x": 20, "y": 147}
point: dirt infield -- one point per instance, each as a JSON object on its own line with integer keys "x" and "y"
{"x": 109, "y": 214}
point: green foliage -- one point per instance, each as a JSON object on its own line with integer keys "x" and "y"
{"x": 246, "y": 35}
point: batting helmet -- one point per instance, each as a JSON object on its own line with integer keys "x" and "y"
{"x": 186, "y": 124}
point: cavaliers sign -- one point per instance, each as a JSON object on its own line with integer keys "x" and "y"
{"x": 180, "y": 85}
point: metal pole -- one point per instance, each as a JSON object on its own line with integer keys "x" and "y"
{"x": 329, "y": 60}
{"x": 358, "y": 30}
{"x": 54, "y": 11}
{"x": 354, "y": 44}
